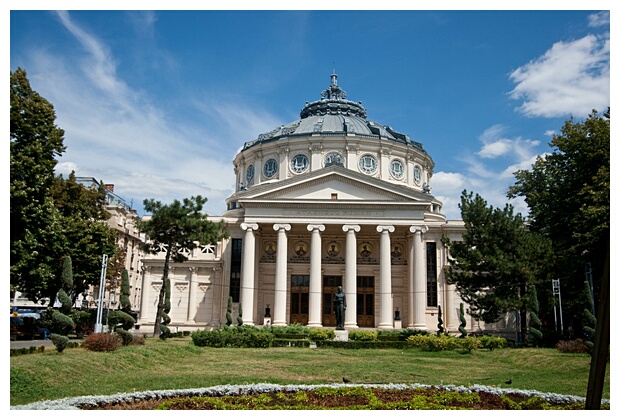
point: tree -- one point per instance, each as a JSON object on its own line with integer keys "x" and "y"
{"x": 66, "y": 282}
{"x": 497, "y": 261}
{"x": 568, "y": 195}
{"x": 85, "y": 234}
{"x": 176, "y": 228}
{"x": 125, "y": 292}
{"x": 36, "y": 142}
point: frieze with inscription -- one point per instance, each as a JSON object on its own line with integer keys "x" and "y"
{"x": 333, "y": 213}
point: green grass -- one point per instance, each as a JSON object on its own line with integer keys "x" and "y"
{"x": 177, "y": 364}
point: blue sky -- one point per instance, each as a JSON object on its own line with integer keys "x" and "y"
{"x": 159, "y": 102}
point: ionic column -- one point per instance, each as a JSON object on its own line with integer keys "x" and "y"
{"x": 385, "y": 278}
{"x": 418, "y": 282}
{"x": 314, "y": 303}
{"x": 191, "y": 304}
{"x": 350, "y": 276}
{"x": 247, "y": 273}
{"x": 279, "y": 301}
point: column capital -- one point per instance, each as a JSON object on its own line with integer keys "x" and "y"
{"x": 251, "y": 226}
{"x": 418, "y": 229}
{"x": 351, "y": 228}
{"x": 193, "y": 270}
{"x": 281, "y": 226}
{"x": 382, "y": 228}
{"x": 320, "y": 228}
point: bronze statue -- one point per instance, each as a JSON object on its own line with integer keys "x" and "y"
{"x": 340, "y": 305}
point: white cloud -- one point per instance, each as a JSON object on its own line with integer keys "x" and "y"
{"x": 550, "y": 133}
{"x": 599, "y": 19}
{"x": 495, "y": 149}
{"x": 571, "y": 78}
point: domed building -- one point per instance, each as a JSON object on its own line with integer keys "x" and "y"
{"x": 331, "y": 199}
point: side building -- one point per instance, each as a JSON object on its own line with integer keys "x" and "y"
{"x": 331, "y": 199}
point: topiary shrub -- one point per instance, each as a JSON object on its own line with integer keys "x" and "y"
{"x": 469, "y": 343}
{"x": 229, "y": 311}
{"x": 462, "y": 329}
{"x": 240, "y": 316}
{"x": 60, "y": 341}
{"x": 138, "y": 340}
{"x": 102, "y": 342}
{"x": 120, "y": 319}
{"x": 356, "y": 335}
{"x": 434, "y": 342}
{"x": 440, "y": 329}
{"x": 406, "y": 333}
{"x": 61, "y": 323}
{"x": 319, "y": 334}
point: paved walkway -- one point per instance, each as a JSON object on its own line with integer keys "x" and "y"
{"x": 20, "y": 344}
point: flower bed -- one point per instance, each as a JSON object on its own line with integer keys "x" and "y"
{"x": 314, "y": 397}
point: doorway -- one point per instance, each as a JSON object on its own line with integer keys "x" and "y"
{"x": 299, "y": 299}
{"x": 365, "y": 301}
{"x": 330, "y": 287}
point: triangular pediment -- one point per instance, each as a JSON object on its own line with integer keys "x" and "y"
{"x": 333, "y": 183}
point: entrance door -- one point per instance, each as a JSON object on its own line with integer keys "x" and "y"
{"x": 299, "y": 299}
{"x": 330, "y": 287}
{"x": 365, "y": 301}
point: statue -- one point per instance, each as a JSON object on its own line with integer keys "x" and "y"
{"x": 340, "y": 305}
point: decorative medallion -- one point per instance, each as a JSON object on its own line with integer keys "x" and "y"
{"x": 333, "y": 249}
{"x": 397, "y": 251}
{"x": 270, "y": 248}
{"x": 301, "y": 249}
{"x": 365, "y": 250}
{"x": 249, "y": 174}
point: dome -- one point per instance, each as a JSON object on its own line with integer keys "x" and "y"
{"x": 333, "y": 114}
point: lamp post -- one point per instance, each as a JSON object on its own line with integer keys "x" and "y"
{"x": 104, "y": 263}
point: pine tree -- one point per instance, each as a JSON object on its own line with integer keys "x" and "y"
{"x": 535, "y": 323}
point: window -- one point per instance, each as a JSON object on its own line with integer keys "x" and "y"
{"x": 299, "y": 164}
{"x": 368, "y": 164}
{"x": 397, "y": 169}
{"x": 235, "y": 269}
{"x": 270, "y": 168}
{"x": 431, "y": 274}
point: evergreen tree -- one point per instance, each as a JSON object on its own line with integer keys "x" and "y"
{"x": 497, "y": 261}
{"x": 125, "y": 291}
{"x": 440, "y": 329}
{"x": 568, "y": 195}
{"x": 172, "y": 229}
{"x": 66, "y": 282}
{"x": 240, "y": 316}
{"x": 229, "y": 311}
{"x": 535, "y": 323}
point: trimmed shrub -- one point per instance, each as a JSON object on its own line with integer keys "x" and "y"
{"x": 354, "y": 345}
{"x": 406, "y": 333}
{"x": 491, "y": 342}
{"x": 320, "y": 334}
{"x": 463, "y": 324}
{"x": 102, "y": 342}
{"x": 357, "y": 335}
{"x": 138, "y": 340}
{"x": 28, "y": 350}
{"x": 60, "y": 341}
{"x": 120, "y": 319}
{"x": 290, "y": 329}
{"x": 433, "y": 342}
{"x": 60, "y": 323}
{"x": 126, "y": 336}
{"x": 469, "y": 343}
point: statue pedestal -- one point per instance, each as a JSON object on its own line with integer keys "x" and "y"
{"x": 398, "y": 324}
{"x": 341, "y": 335}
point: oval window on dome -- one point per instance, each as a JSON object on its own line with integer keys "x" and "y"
{"x": 397, "y": 169}
{"x": 368, "y": 164}
{"x": 270, "y": 168}
{"x": 299, "y": 164}
{"x": 417, "y": 175}
{"x": 249, "y": 173}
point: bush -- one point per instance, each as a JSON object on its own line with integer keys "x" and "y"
{"x": 138, "y": 340}
{"x": 28, "y": 350}
{"x": 125, "y": 320}
{"x": 353, "y": 345}
{"x": 357, "y": 335}
{"x": 243, "y": 336}
{"x": 60, "y": 341}
{"x": 102, "y": 342}
{"x": 572, "y": 346}
{"x": 290, "y": 329}
{"x": 469, "y": 343}
{"x": 320, "y": 334}
{"x": 433, "y": 342}
{"x": 406, "y": 333}
{"x": 126, "y": 336}
{"x": 491, "y": 342}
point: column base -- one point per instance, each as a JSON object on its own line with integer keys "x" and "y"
{"x": 421, "y": 327}
{"x": 314, "y": 325}
{"x": 350, "y": 326}
{"x": 385, "y": 326}
{"x": 279, "y": 323}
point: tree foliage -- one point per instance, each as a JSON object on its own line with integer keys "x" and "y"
{"x": 497, "y": 260}
{"x": 176, "y": 229}
{"x": 125, "y": 292}
{"x": 36, "y": 142}
{"x": 51, "y": 218}
{"x": 568, "y": 195}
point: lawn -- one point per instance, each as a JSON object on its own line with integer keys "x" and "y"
{"x": 178, "y": 364}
